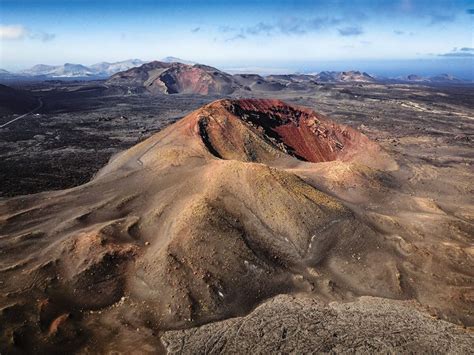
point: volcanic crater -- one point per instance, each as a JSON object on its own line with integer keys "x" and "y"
{"x": 203, "y": 221}
{"x": 296, "y": 131}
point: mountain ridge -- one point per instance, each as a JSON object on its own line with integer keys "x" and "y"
{"x": 173, "y": 78}
{"x": 108, "y": 69}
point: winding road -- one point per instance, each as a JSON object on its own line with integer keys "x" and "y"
{"x": 40, "y": 104}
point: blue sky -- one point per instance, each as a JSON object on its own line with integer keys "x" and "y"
{"x": 284, "y": 35}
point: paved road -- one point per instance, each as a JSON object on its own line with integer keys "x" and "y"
{"x": 24, "y": 115}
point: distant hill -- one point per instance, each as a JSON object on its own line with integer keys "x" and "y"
{"x": 202, "y": 78}
{"x": 38, "y": 69}
{"x": 106, "y": 68}
{"x": 256, "y": 82}
{"x": 441, "y": 78}
{"x": 6, "y": 75}
{"x": 177, "y": 60}
{"x": 173, "y": 78}
{"x": 66, "y": 70}
{"x": 444, "y": 78}
{"x": 69, "y": 70}
{"x": 344, "y": 76}
{"x": 414, "y": 77}
{"x": 323, "y": 77}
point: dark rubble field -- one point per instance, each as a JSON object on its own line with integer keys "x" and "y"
{"x": 82, "y": 124}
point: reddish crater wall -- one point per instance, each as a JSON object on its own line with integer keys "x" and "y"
{"x": 305, "y": 134}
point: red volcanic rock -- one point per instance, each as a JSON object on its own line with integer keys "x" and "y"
{"x": 57, "y": 323}
{"x": 259, "y": 128}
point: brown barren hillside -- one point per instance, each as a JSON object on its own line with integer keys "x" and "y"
{"x": 173, "y": 78}
{"x": 239, "y": 201}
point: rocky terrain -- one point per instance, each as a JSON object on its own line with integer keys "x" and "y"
{"x": 15, "y": 101}
{"x": 76, "y": 131}
{"x": 304, "y": 325}
{"x": 242, "y": 200}
{"x": 82, "y": 124}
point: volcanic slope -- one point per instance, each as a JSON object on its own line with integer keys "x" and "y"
{"x": 16, "y": 101}
{"x": 237, "y": 202}
{"x": 173, "y": 78}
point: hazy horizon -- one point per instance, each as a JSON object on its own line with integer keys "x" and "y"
{"x": 381, "y": 37}
{"x": 460, "y": 67}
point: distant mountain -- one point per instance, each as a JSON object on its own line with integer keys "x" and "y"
{"x": 177, "y": 60}
{"x": 322, "y": 77}
{"x": 6, "y": 75}
{"x": 38, "y": 69}
{"x": 181, "y": 78}
{"x": 66, "y": 70}
{"x": 72, "y": 70}
{"x": 107, "y": 69}
{"x": 344, "y": 76}
{"x": 441, "y": 78}
{"x": 415, "y": 77}
{"x": 173, "y": 78}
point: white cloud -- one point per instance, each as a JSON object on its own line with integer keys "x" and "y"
{"x": 12, "y": 32}
{"x": 16, "y": 32}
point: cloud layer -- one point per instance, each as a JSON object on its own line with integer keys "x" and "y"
{"x": 19, "y": 32}
{"x": 12, "y": 32}
{"x": 350, "y": 31}
{"x": 296, "y": 26}
{"x": 459, "y": 52}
